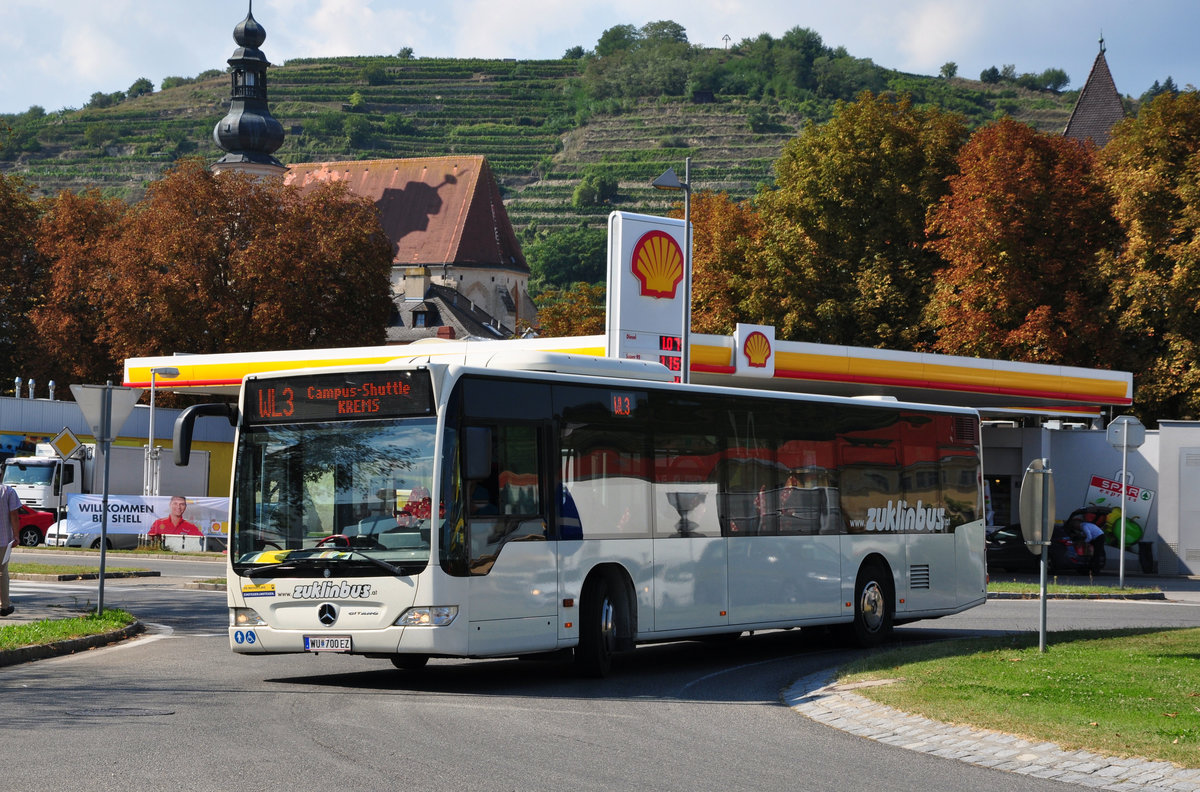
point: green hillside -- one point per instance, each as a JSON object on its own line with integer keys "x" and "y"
{"x": 541, "y": 124}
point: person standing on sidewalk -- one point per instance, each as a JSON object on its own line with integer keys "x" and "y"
{"x": 10, "y": 518}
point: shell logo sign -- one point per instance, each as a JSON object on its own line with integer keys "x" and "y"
{"x": 657, "y": 263}
{"x": 757, "y": 349}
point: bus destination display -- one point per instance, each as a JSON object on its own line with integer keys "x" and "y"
{"x": 330, "y": 397}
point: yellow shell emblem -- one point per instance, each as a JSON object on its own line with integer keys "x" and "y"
{"x": 658, "y": 264}
{"x": 757, "y": 349}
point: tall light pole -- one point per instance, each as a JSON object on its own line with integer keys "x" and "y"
{"x": 669, "y": 181}
{"x": 150, "y": 474}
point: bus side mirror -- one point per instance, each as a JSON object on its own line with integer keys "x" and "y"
{"x": 477, "y": 445}
{"x": 184, "y": 424}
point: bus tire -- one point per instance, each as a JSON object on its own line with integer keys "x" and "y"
{"x": 410, "y": 662}
{"x": 873, "y": 605}
{"x": 600, "y": 614}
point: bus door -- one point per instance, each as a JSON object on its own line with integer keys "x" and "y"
{"x": 512, "y": 566}
{"x": 691, "y": 557}
{"x": 939, "y": 484}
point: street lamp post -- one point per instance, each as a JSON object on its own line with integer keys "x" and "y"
{"x": 669, "y": 181}
{"x": 150, "y": 474}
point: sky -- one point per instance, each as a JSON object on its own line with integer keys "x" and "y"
{"x": 57, "y": 53}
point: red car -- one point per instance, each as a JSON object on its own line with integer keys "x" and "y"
{"x": 33, "y": 526}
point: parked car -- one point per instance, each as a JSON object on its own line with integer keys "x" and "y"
{"x": 33, "y": 525}
{"x": 1006, "y": 551}
{"x": 64, "y": 533}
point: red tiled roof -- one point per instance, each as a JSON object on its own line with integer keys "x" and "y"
{"x": 436, "y": 210}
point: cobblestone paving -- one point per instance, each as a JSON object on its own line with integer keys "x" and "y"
{"x": 840, "y": 707}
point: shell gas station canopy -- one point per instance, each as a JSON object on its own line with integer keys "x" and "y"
{"x": 994, "y": 387}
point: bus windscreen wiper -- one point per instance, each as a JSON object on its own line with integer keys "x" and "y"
{"x": 293, "y": 562}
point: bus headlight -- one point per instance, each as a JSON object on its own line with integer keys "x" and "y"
{"x": 246, "y": 617}
{"x": 438, "y": 616}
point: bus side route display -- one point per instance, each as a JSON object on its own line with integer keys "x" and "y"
{"x": 331, "y": 397}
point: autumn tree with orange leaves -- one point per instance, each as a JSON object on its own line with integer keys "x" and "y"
{"x": 74, "y": 239}
{"x": 574, "y": 311}
{"x": 216, "y": 263}
{"x": 727, "y": 280}
{"x": 19, "y": 271}
{"x": 1021, "y": 229}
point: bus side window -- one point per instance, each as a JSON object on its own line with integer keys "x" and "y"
{"x": 505, "y": 502}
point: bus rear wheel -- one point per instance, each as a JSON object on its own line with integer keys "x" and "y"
{"x": 598, "y": 620}
{"x": 872, "y": 605}
{"x": 410, "y": 662}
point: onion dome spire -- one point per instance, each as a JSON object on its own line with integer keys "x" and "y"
{"x": 249, "y": 133}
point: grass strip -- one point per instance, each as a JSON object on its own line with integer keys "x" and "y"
{"x": 1014, "y": 587}
{"x": 1124, "y": 693}
{"x": 15, "y": 636}
{"x": 66, "y": 569}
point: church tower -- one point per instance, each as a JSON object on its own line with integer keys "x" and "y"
{"x": 1098, "y": 108}
{"x": 249, "y": 134}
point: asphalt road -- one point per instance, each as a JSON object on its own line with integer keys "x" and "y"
{"x": 176, "y": 709}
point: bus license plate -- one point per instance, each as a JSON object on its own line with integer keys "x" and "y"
{"x": 327, "y": 643}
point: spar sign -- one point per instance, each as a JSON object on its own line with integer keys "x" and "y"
{"x": 1135, "y": 510}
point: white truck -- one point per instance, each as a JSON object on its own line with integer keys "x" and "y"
{"x": 44, "y": 481}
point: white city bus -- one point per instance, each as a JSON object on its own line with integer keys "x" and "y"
{"x": 548, "y": 502}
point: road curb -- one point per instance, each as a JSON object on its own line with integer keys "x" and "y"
{"x": 70, "y": 646}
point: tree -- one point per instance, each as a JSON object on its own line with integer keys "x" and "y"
{"x": 576, "y": 311}
{"x": 949, "y": 70}
{"x": 75, "y": 238}
{"x": 844, "y": 228}
{"x": 1152, "y": 167}
{"x": 1055, "y": 79}
{"x": 594, "y": 189}
{"x": 990, "y": 75}
{"x": 220, "y": 263}
{"x": 141, "y": 86}
{"x": 20, "y": 273}
{"x": 727, "y": 282}
{"x": 1026, "y": 217}
{"x": 560, "y": 258}
{"x": 663, "y": 31}
{"x": 616, "y": 39}
{"x": 574, "y": 53}
{"x": 405, "y": 53}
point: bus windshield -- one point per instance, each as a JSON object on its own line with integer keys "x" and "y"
{"x": 333, "y": 493}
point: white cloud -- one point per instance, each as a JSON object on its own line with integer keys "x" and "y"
{"x": 931, "y": 33}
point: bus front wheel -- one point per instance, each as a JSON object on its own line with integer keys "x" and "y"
{"x": 598, "y": 620}
{"x": 872, "y": 605}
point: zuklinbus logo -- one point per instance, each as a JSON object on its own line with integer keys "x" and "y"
{"x": 658, "y": 264}
{"x": 899, "y": 517}
{"x": 331, "y": 589}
